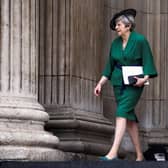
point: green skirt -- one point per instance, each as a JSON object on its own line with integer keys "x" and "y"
{"x": 126, "y": 100}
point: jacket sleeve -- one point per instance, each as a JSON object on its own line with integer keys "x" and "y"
{"x": 147, "y": 60}
{"x": 107, "y": 72}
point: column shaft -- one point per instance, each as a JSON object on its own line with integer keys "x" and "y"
{"x": 22, "y": 118}
{"x": 70, "y": 48}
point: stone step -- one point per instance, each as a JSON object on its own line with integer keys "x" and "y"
{"x": 83, "y": 164}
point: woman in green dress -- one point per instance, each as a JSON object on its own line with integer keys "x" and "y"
{"x": 128, "y": 49}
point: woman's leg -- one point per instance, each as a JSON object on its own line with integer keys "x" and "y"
{"x": 119, "y": 133}
{"x": 132, "y": 128}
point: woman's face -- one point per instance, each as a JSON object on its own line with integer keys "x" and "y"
{"x": 121, "y": 28}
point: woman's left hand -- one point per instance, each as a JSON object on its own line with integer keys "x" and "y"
{"x": 141, "y": 81}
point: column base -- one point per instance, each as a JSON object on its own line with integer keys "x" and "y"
{"x": 155, "y": 135}
{"x": 30, "y": 153}
{"x": 22, "y": 134}
{"x": 81, "y": 132}
{"x": 40, "y": 154}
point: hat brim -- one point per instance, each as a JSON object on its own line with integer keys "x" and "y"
{"x": 126, "y": 12}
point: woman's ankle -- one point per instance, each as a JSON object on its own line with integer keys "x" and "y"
{"x": 111, "y": 155}
{"x": 140, "y": 157}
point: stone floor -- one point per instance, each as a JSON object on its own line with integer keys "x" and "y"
{"x": 83, "y": 164}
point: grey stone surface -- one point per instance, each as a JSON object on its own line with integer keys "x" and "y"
{"x": 54, "y": 52}
{"x": 22, "y": 118}
{"x": 69, "y": 70}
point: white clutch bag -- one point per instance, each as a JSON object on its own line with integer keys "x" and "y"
{"x": 129, "y": 72}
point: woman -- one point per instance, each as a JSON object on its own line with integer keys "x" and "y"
{"x": 129, "y": 48}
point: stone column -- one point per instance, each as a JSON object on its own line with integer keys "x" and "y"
{"x": 70, "y": 48}
{"x": 22, "y": 118}
{"x": 155, "y": 17}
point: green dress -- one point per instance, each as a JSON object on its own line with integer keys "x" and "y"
{"x": 136, "y": 52}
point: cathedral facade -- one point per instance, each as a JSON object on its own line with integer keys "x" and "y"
{"x": 52, "y": 53}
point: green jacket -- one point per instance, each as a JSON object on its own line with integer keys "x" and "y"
{"x": 136, "y": 52}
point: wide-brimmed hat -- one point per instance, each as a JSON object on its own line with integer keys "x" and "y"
{"x": 126, "y": 12}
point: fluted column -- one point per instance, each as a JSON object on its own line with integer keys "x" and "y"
{"x": 155, "y": 16}
{"x": 22, "y": 118}
{"x": 70, "y": 48}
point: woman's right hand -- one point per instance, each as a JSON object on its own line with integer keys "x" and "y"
{"x": 99, "y": 85}
{"x": 97, "y": 90}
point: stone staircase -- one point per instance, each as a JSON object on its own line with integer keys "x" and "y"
{"x": 83, "y": 164}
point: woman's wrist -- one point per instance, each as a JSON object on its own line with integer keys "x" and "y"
{"x": 100, "y": 84}
{"x": 102, "y": 81}
{"x": 146, "y": 77}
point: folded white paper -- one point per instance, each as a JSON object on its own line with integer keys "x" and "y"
{"x": 131, "y": 71}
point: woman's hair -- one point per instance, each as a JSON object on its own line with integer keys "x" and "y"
{"x": 127, "y": 20}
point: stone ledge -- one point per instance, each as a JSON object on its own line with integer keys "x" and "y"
{"x": 82, "y": 135}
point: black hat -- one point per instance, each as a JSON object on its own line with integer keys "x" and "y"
{"x": 126, "y": 12}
